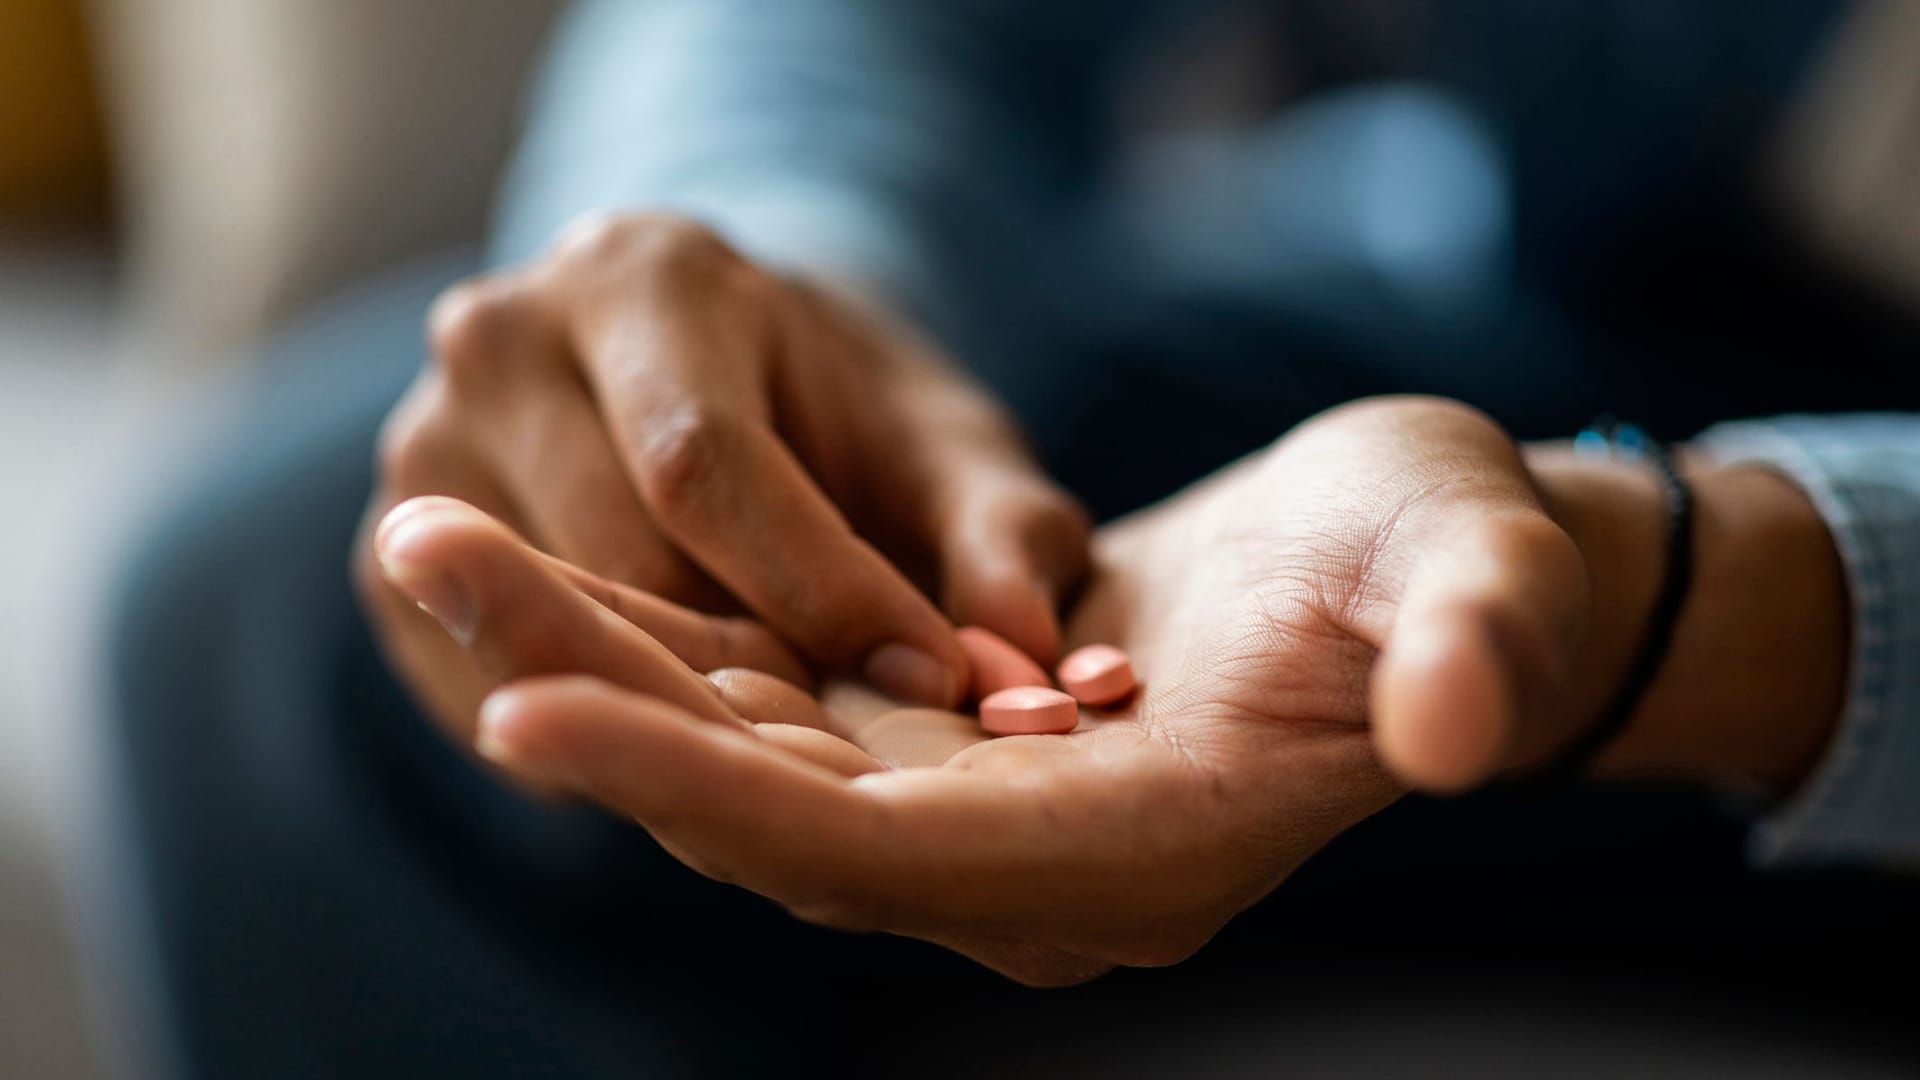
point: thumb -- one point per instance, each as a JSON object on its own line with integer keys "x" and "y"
{"x": 1480, "y": 652}
{"x": 1011, "y": 545}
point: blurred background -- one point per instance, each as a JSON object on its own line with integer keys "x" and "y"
{"x": 175, "y": 179}
{"x": 179, "y": 178}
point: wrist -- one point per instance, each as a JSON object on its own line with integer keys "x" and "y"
{"x": 1753, "y": 680}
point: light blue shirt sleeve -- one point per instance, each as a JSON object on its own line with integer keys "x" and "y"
{"x": 925, "y": 148}
{"x": 1862, "y": 803}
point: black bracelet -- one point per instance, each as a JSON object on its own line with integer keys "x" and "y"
{"x": 1614, "y": 440}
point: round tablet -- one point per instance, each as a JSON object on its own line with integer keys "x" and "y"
{"x": 1029, "y": 710}
{"x": 1097, "y": 674}
{"x": 997, "y": 663}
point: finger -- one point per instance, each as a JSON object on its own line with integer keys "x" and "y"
{"x": 791, "y": 719}
{"x": 705, "y": 642}
{"x": 920, "y": 851}
{"x": 1445, "y": 703}
{"x": 760, "y": 698}
{"x": 583, "y": 734}
{"x": 419, "y": 454}
{"x": 1011, "y": 546}
{"x": 1483, "y": 639}
{"x": 514, "y": 387}
{"x": 902, "y": 738}
{"x": 821, "y": 748}
{"x": 558, "y": 459}
{"x": 854, "y": 704}
{"x": 917, "y": 738}
{"x": 503, "y": 603}
{"x": 683, "y": 388}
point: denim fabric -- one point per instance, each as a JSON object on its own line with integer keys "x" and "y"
{"x": 1863, "y": 472}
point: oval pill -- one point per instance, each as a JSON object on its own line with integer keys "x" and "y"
{"x": 1097, "y": 674}
{"x": 997, "y": 663}
{"x": 1029, "y": 710}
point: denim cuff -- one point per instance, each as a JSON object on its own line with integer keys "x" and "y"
{"x": 1861, "y": 804}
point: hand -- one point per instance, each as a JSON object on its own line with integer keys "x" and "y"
{"x": 651, "y": 407}
{"x": 1387, "y": 560}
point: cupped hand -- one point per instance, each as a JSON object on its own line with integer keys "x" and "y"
{"x": 652, "y": 407}
{"x": 1381, "y": 592}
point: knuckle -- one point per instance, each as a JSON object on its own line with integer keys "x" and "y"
{"x": 682, "y": 456}
{"x": 476, "y": 326}
{"x": 664, "y": 248}
{"x": 591, "y": 236}
{"x": 676, "y": 243}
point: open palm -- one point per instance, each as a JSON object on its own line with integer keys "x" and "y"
{"x": 1381, "y": 579}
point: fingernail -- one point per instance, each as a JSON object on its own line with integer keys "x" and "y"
{"x": 439, "y": 593}
{"x": 911, "y": 675}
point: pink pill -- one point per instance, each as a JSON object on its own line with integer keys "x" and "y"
{"x": 997, "y": 664}
{"x": 1097, "y": 674}
{"x": 1029, "y": 710}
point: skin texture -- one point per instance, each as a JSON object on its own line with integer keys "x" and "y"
{"x": 1383, "y": 590}
{"x": 654, "y": 409}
